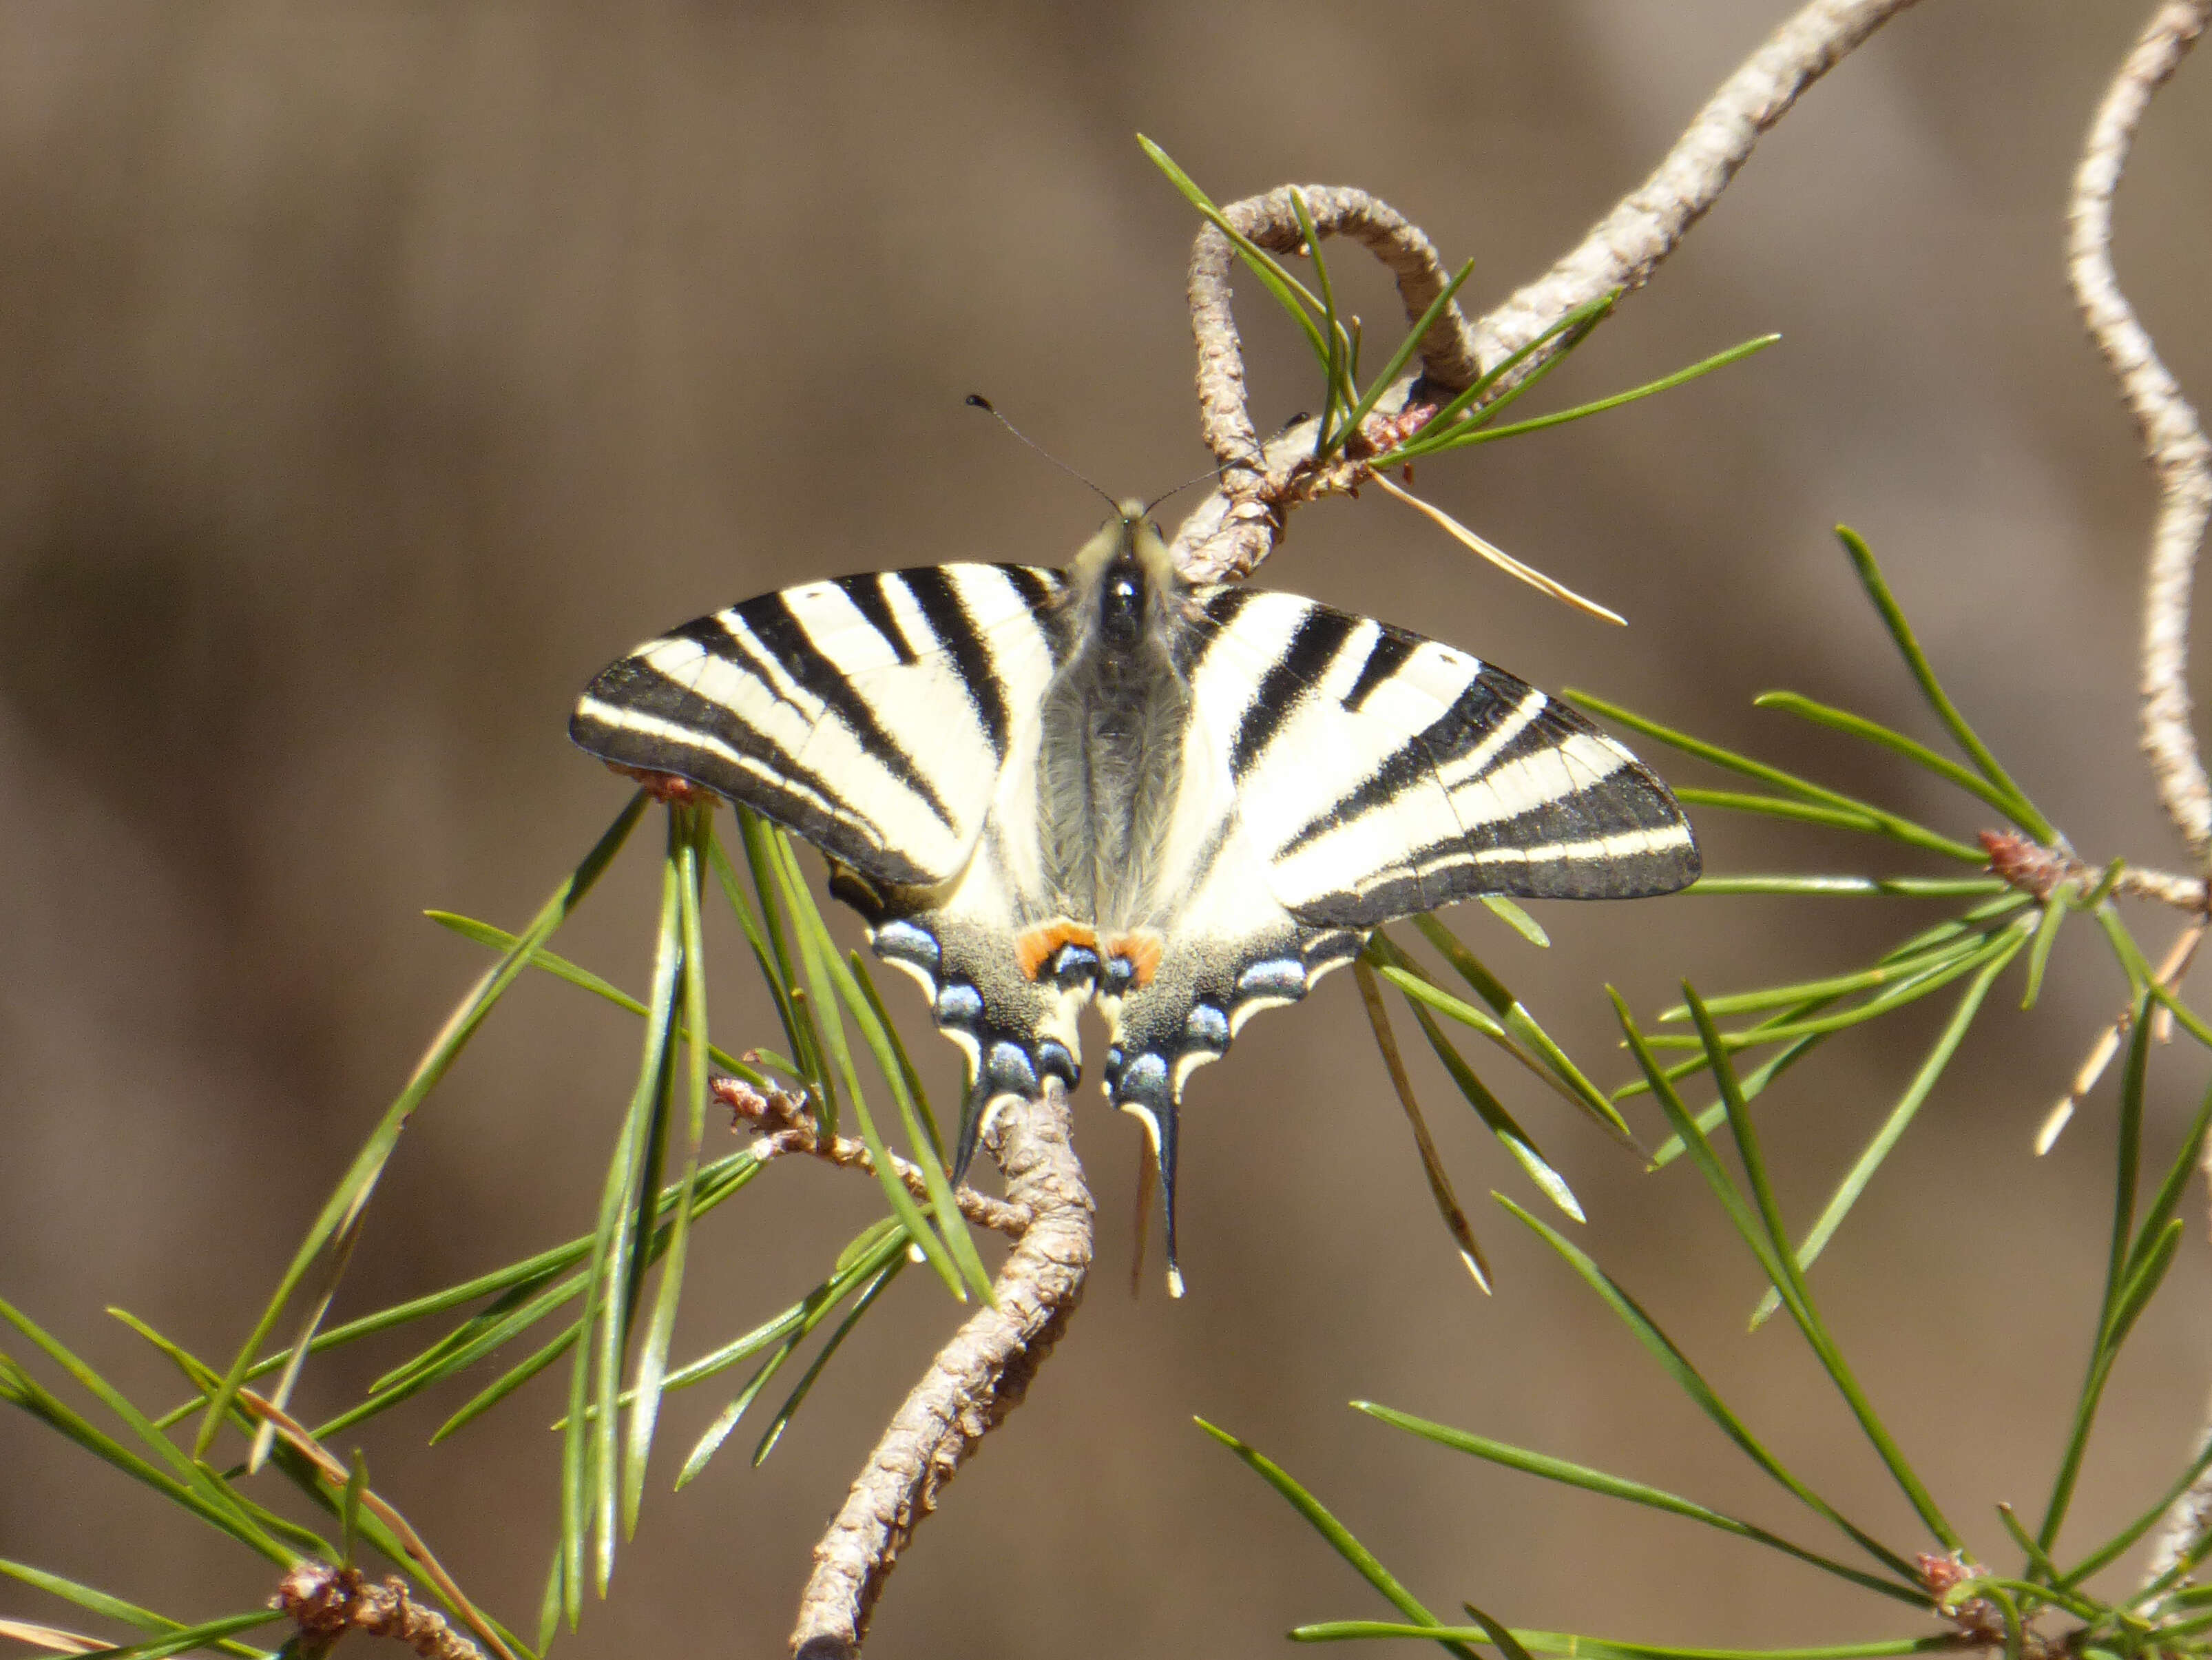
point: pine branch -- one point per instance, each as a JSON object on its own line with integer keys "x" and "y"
{"x": 1235, "y": 529}
{"x": 976, "y": 1380}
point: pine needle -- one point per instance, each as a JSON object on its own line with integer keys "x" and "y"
{"x": 1497, "y": 556}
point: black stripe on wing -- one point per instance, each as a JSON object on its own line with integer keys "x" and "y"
{"x": 1312, "y": 648}
{"x": 1387, "y": 657}
{"x": 933, "y": 590}
{"x": 769, "y": 620}
{"x": 865, "y": 591}
{"x": 1215, "y": 619}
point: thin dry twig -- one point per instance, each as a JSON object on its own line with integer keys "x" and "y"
{"x": 2167, "y": 976}
{"x": 786, "y": 1123}
{"x": 327, "y": 1602}
{"x": 2035, "y": 869}
{"x": 2173, "y": 441}
{"x": 976, "y": 1380}
{"x": 52, "y": 1638}
{"x": 2175, "y": 446}
{"x": 1233, "y": 529}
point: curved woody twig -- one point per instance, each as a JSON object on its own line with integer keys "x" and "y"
{"x": 1233, "y": 529}
{"x": 2173, "y": 440}
{"x": 2175, "y": 446}
{"x": 1448, "y": 358}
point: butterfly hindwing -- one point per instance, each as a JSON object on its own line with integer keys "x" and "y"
{"x": 1204, "y": 986}
{"x": 871, "y": 715}
{"x": 1011, "y": 1011}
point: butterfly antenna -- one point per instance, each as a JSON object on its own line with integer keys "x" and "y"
{"x": 976, "y": 400}
{"x": 1216, "y": 473}
{"x": 1210, "y": 474}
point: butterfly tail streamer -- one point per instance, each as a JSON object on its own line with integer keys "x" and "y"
{"x": 974, "y": 1110}
{"x": 1140, "y": 1086}
{"x": 1166, "y": 1161}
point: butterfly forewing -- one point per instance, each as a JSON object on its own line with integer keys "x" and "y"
{"x": 1386, "y": 774}
{"x": 872, "y": 715}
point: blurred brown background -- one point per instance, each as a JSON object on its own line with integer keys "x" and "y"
{"x": 371, "y": 374}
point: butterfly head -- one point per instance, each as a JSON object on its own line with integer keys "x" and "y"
{"x": 1127, "y": 568}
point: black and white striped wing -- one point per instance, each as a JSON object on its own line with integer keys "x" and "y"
{"x": 1381, "y": 775}
{"x": 872, "y": 715}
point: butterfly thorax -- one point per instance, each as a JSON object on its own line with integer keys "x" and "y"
{"x": 1110, "y": 748}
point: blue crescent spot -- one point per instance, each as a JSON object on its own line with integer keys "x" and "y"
{"x": 1054, "y": 1060}
{"x": 1073, "y": 965}
{"x": 1279, "y": 977}
{"x": 1146, "y": 1078}
{"x": 957, "y": 1003}
{"x": 1208, "y": 1026}
{"x": 1009, "y": 1066}
{"x": 907, "y": 943}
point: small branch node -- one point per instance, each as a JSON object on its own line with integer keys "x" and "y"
{"x": 327, "y": 1602}
{"x": 785, "y": 1123}
{"x": 1980, "y": 1621}
{"x": 2041, "y": 871}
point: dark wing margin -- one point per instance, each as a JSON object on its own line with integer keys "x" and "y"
{"x": 870, "y": 715}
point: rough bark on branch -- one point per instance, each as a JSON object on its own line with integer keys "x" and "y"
{"x": 2175, "y": 446}
{"x": 976, "y": 1380}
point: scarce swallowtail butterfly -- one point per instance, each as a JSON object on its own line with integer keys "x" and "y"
{"x": 1190, "y": 802}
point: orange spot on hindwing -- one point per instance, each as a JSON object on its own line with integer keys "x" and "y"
{"x": 1132, "y": 960}
{"x": 1038, "y": 950}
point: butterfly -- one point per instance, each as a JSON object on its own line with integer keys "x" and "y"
{"x": 1043, "y": 786}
